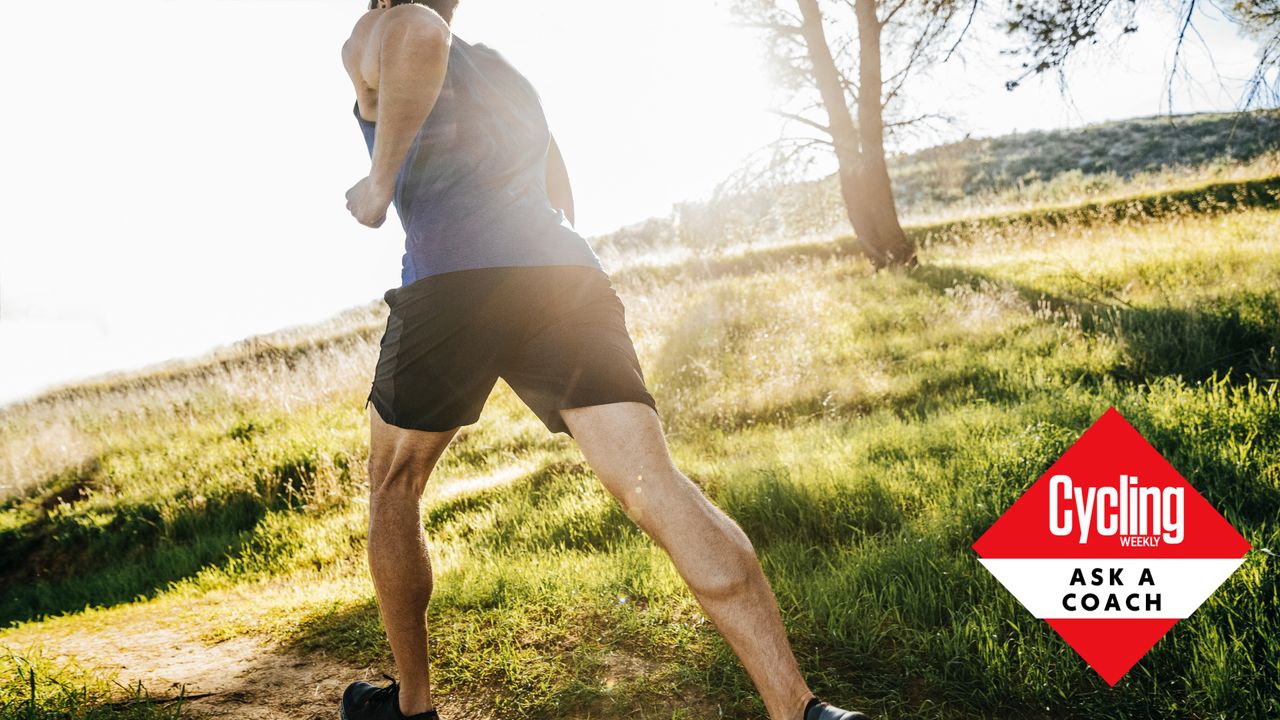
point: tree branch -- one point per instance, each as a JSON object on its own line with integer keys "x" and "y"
{"x": 779, "y": 28}
{"x": 973, "y": 10}
{"x": 901, "y": 4}
{"x": 1177, "y": 50}
{"x": 919, "y": 118}
{"x": 801, "y": 119}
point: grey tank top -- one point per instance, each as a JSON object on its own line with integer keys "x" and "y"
{"x": 472, "y": 192}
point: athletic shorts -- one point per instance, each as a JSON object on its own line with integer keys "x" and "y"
{"x": 555, "y": 333}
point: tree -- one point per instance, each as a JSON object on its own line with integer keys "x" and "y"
{"x": 1261, "y": 18}
{"x": 845, "y": 79}
{"x": 1052, "y": 31}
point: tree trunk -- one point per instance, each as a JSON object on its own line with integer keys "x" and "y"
{"x": 869, "y": 204}
{"x": 876, "y": 207}
{"x": 863, "y": 173}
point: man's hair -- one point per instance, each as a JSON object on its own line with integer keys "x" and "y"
{"x": 444, "y": 7}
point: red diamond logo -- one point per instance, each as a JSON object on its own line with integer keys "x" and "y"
{"x": 1111, "y": 546}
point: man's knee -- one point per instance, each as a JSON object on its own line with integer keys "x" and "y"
{"x": 399, "y": 473}
{"x": 684, "y": 521}
{"x": 737, "y": 566}
{"x": 400, "y": 461}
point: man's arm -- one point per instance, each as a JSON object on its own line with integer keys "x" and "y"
{"x": 558, "y": 189}
{"x": 403, "y": 63}
{"x": 366, "y": 98}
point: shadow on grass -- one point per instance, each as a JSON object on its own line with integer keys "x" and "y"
{"x": 352, "y": 631}
{"x": 1236, "y": 336}
{"x": 1226, "y": 346}
{"x": 62, "y": 556}
{"x": 56, "y": 580}
{"x": 529, "y": 658}
{"x": 772, "y": 508}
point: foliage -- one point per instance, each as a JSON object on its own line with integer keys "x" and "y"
{"x": 1051, "y": 32}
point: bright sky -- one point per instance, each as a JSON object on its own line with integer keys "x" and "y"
{"x": 174, "y": 171}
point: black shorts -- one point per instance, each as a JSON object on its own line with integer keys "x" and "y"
{"x": 556, "y": 333}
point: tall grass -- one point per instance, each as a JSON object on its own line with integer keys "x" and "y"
{"x": 863, "y": 429}
{"x": 41, "y": 690}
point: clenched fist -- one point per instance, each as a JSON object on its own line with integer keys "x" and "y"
{"x": 368, "y": 203}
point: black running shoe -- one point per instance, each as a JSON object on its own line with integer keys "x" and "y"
{"x": 816, "y": 710}
{"x": 362, "y": 701}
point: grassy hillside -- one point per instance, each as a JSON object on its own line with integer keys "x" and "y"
{"x": 1121, "y": 149}
{"x": 864, "y": 430}
{"x": 984, "y": 176}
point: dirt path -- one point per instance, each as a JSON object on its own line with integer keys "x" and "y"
{"x": 241, "y": 677}
{"x": 165, "y": 645}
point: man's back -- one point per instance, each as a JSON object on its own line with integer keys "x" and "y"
{"x": 472, "y": 192}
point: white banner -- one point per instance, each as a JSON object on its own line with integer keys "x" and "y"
{"x": 1074, "y": 588}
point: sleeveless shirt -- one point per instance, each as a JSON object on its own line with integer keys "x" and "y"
{"x": 472, "y": 192}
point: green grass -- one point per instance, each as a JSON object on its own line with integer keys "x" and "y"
{"x": 863, "y": 429}
{"x": 40, "y": 690}
{"x": 1201, "y": 199}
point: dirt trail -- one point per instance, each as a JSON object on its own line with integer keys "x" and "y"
{"x": 164, "y": 645}
{"x": 160, "y": 645}
{"x": 241, "y": 677}
{"x": 248, "y": 677}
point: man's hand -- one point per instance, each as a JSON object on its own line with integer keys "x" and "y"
{"x": 368, "y": 203}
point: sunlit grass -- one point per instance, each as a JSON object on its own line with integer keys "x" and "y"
{"x": 1074, "y": 186}
{"x": 35, "y": 688}
{"x": 863, "y": 429}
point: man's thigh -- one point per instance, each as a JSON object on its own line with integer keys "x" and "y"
{"x": 619, "y": 439}
{"x": 624, "y": 444}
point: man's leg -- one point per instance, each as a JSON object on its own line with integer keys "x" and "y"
{"x": 400, "y": 462}
{"x": 625, "y": 446}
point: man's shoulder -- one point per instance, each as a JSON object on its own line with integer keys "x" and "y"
{"x": 411, "y": 16}
{"x": 360, "y": 34}
{"x": 375, "y": 24}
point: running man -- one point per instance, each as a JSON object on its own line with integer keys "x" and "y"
{"x": 495, "y": 282}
